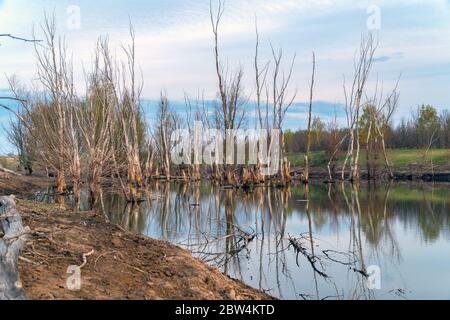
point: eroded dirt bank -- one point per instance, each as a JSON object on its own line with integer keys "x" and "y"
{"x": 118, "y": 264}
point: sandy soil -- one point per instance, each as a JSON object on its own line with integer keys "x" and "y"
{"x": 121, "y": 265}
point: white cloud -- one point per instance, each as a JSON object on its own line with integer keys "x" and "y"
{"x": 174, "y": 40}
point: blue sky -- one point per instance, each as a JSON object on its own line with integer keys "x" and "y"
{"x": 174, "y": 43}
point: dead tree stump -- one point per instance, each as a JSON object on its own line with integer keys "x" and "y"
{"x": 12, "y": 239}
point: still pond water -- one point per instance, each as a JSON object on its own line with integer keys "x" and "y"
{"x": 333, "y": 242}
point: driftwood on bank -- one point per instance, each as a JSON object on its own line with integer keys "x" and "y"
{"x": 12, "y": 238}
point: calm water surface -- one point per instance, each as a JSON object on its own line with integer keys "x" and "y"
{"x": 316, "y": 244}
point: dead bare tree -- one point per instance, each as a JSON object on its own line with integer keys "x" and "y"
{"x": 281, "y": 102}
{"x": 230, "y": 112}
{"x": 19, "y": 134}
{"x": 123, "y": 93}
{"x": 109, "y": 95}
{"x": 52, "y": 117}
{"x": 95, "y": 119}
{"x": 13, "y": 236}
{"x": 130, "y": 113}
{"x": 385, "y": 111}
{"x": 353, "y": 101}
{"x": 260, "y": 83}
{"x": 164, "y": 119}
{"x": 196, "y": 112}
{"x": 308, "y": 140}
{"x": 150, "y": 158}
{"x": 52, "y": 65}
{"x": 74, "y": 139}
{"x": 277, "y": 99}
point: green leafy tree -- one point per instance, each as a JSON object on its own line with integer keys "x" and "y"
{"x": 427, "y": 124}
{"x": 288, "y": 138}
{"x": 317, "y": 128}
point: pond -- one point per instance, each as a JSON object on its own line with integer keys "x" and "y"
{"x": 390, "y": 241}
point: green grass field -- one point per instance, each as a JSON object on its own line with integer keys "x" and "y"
{"x": 8, "y": 162}
{"x": 398, "y": 157}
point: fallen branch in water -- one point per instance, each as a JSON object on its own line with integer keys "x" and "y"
{"x": 328, "y": 255}
{"x": 352, "y": 260}
{"x": 362, "y": 272}
{"x": 312, "y": 259}
{"x": 238, "y": 241}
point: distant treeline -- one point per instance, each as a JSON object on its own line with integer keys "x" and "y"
{"x": 424, "y": 128}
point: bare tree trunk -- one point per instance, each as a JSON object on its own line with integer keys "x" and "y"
{"x": 384, "y": 112}
{"x": 12, "y": 239}
{"x": 148, "y": 166}
{"x": 94, "y": 186}
{"x": 355, "y": 167}
{"x": 368, "y": 151}
{"x": 60, "y": 187}
{"x": 119, "y": 177}
{"x": 76, "y": 178}
{"x": 131, "y": 112}
{"x": 386, "y": 160}
{"x": 349, "y": 154}
{"x": 308, "y": 140}
{"x": 164, "y": 148}
{"x": 285, "y": 170}
{"x": 52, "y": 73}
{"x": 230, "y": 112}
{"x": 362, "y": 67}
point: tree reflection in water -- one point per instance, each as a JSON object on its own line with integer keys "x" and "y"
{"x": 341, "y": 230}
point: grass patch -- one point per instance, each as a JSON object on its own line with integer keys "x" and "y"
{"x": 9, "y": 163}
{"x": 405, "y": 157}
{"x": 398, "y": 158}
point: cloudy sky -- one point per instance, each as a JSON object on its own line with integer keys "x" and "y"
{"x": 174, "y": 42}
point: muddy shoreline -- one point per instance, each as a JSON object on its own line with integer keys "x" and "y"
{"x": 400, "y": 174}
{"x": 115, "y": 264}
